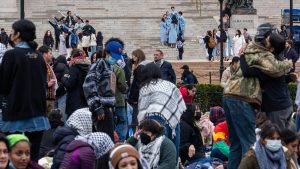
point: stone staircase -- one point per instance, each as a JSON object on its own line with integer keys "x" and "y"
{"x": 134, "y": 21}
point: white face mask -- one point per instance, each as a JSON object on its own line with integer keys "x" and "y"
{"x": 273, "y": 145}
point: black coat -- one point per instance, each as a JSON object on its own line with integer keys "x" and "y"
{"x": 73, "y": 83}
{"x": 60, "y": 68}
{"x": 167, "y": 72}
{"x": 190, "y": 135}
{"x": 136, "y": 83}
{"x": 23, "y": 74}
{"x": 4, "y": 38}
{"x": 48, "y": 41}
{"x": 63, "y": 136}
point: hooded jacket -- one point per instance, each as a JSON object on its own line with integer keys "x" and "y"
{"x": 63, "y": 136}
{"x": 79, "y": 155}
{"x": 248, "y": 89}
{"x": 190, "y": 135}
{"x": 60, "y": 68}
{"x": 73, "y": 82}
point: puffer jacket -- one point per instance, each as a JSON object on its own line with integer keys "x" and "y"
{"x": 79, "y": 155}
{"x": 249, "y": 89}
{"x": 63, "y": 136}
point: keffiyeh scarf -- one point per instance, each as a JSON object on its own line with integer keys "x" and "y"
{"x": 100, "y": 142}
{"x": 81, "y": 121}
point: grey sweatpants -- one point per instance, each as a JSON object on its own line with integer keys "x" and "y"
{"x": 281, "y": 117}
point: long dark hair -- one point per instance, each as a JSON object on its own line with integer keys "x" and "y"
{"x": 27, "y": 32}
{"x": 153, "y": 126}
{"x": 46, "y": 33}
{"x": 239, "y": 33}
{"x": 151, "y": 73}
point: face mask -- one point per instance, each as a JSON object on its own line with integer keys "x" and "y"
{"x": 145, "y": 139}
{"x": 10, "y": 42}
{"x": 197, "y": 116}
{"x": 273, "y": 145}
{"x": 111, "y": 61}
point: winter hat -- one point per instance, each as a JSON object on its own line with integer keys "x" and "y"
{"x": 122, "y": 151}
{"x": 100, "y": 142}
{"x": 81, "y": 121}
{"x": 115, "y": 49}
{"x": 13, "y": 139}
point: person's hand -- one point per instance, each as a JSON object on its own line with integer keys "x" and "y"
{"x": 192, "y": 151}
{"x": 290, "y": 63}
{"x": 137, "y": 132}
{"x": 51, "y": 82}
{"x": 243, "y": 49}
{"x": 294, "y": 76}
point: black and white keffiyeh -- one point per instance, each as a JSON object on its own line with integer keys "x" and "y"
{"x": 161, "y": 97}
{"x": 151, "y": 151}
{"x": 81, "y": 121}
{"x": 100, "y": 142}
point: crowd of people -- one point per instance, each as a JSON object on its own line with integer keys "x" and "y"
{"x": 172, "y": 30}
{"x": 103, "y": 109}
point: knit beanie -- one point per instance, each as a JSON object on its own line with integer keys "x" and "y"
{"x": 121, "y": 152}
{"x": 13, "y": 139}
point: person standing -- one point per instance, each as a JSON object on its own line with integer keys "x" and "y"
{"x": 139, "y": 61}
{"x": 233, "y": 65}
{"x": 283, "y": 32}
{"x": 182, "y": 24}
{"x": 23, "y": 86}
{"x": 73, "y": 81}
{"x": 173, "y": 31}
{"x": 187, "y": 76}
{"x": 291, "y": 54}
{"x": 2, "y": 51}
{"x": 166, "y": 69}
{"x": 99, "y": 41}
{"x": 70, "y": 21}
{"x": 210, "y": 44}
{"x": 238, "y": 41}
{"x": 163, "y": 31}
{"x": 48, "y": 39}
{"x": 3, "y": 37}
{"x": 243, "y": 95}
{"x": 62, "y": 44}
{"x": 51, "y": 79}
{"x": 246, "y": 35}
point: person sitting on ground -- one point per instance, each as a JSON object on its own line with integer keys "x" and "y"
{"x": 188, "y": 92}
{"x": 290, "y": 141}
{"x": 79, "y": 123}
{"x": 4, "y": 148}
{"x": 191, "y": 144}
{"x": 47, "y": 144}
{"x": 221, "y": 144}
{"x": 267, "y": 152}
{"x": 83, "y": 152}
{"x": 124, "y": 156}
{"x": 187, "y": 76}
{"x": 217, "y": 115}
{"x": 158, "y": 150}
{"x": 19, "y": 155}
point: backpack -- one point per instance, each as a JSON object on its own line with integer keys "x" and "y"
{"x": 211, "y": 42}
{"x": 100, "y": 85}
{"x": 195, "y": 79}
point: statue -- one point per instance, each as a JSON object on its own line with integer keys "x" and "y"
{"x": 241, "y": 3}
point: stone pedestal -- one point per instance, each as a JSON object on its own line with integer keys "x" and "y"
{"x": 8, "y": 6}
{"x": 244, "y": 21}
{"x": 244, "y": 11}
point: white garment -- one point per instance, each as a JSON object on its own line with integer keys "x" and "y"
{"x": 93, "y": 40}
{"x": 85, "y": 41}
{"x": 238, "y": 44}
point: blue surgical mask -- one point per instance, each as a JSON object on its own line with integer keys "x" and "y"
{"x": 111, "y": 61}
{"x": 273, "y": 145}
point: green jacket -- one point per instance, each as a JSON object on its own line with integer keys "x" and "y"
{"x": 249, "y": 89}
{"x": 121, "y": 85}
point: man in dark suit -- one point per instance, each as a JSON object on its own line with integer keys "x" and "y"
{"x": 166, "y": 69}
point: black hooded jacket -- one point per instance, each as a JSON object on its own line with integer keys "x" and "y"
{"x": 190, "y": 135}
{"x": 60, "y": 67}
{"x": 73, "y": 83}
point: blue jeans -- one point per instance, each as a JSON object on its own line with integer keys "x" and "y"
{"x": 168, "y": 131}
{"x": 121, "y": 126}
{"x": 60, "y": 103}
{"x": 240, "y": 117}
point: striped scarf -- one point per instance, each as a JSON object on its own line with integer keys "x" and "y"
{"x": 51, "y": 91}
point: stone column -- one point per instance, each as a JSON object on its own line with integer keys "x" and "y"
{"x": 8, "y": 6}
